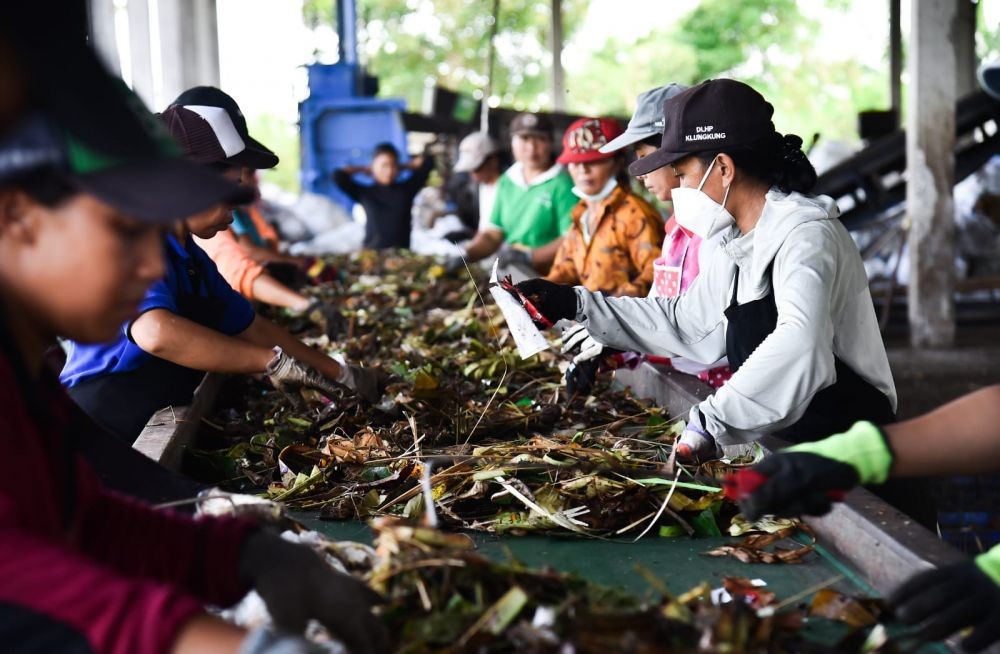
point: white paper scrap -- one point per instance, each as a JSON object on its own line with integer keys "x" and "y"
{"x": 528, "y": 339}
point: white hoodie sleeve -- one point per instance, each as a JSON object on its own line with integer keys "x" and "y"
{"x": 775, "y": 385}
{"x": 691, "y": 325}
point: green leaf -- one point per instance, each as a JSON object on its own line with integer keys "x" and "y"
{"x": 671, "y": 531}
{"x": 659, "y": 481}
{"x": 299, "y": 423}
{"x": 704, "y": 524}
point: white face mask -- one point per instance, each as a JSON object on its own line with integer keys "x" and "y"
{"x": 600, "y": 195}
{"x": 700, "y": 214}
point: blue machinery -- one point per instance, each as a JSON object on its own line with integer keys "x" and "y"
{"x": 341, "y": 121}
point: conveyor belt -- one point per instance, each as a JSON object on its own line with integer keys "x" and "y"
{"x": 873, "y": 180}
{"x": 873, "y": 546}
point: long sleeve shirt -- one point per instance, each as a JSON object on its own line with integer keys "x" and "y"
{"x": 82, "y": 568}
{"x": 800, "y": 250}
{"x": 617, "y": 257}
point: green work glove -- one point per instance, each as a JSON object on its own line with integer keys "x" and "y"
{"x": 954, "y": 598}
{"x": 808, "y": 478}
{"x": 863, "y": 447}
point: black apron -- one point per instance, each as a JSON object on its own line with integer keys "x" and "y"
{"x": 832, "y": 410}
{"x": 122, "y": 403}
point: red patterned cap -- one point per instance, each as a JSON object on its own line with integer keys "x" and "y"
{"x": 585, "y": 137}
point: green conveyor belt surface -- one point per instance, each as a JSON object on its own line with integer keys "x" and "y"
{"x": 678, "y": 562}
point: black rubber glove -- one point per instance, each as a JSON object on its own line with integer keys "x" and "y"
{"x": 580, "y": 376}
{"x": 512, "y": 256}
{"x": 949, "y": 599}
{"x": 287, "y": 273}
{"x": 368, "y": 383}
{"x": 554, "y": 301}
{"x": 298, "y": 586}
{"x": 798, "y": 483}
{"x": 806, "y": 478}
{"x": 453, "y": 263}
{"x": 328, "y": 318}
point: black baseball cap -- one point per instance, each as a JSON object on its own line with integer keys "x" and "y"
{"x": 256, "y": 155}
{"x": 715, "y": 115}
{"x": 153, "y": 188}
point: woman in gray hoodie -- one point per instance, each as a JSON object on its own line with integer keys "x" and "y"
{"x": 785, "y": 297}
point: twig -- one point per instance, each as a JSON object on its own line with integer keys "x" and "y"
{"x": 503, "y": 357}
{"x": 430, "y": 515}
{"x": 663, "y": 508}
{"x": 771, "y": 610}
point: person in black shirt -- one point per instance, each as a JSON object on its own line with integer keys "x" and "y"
{"x": 388, "y": 202}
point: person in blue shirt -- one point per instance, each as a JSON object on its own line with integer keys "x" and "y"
{"x": 192, "y": 321}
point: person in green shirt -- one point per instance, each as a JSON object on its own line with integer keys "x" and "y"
{"x": 533, "y": 205}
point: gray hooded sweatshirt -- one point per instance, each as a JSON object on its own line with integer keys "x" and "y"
{"x": 824, "y": 309}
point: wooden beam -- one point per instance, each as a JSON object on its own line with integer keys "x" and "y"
{"x": 558, "y": 81}
{"x": 930, "y": 142}
{"x": 484, "y": 113}
{"x": 964, "y": 34}
{"x": 895, "y": 59}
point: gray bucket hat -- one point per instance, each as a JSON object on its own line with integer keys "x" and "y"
{"x": 648, "y": 117}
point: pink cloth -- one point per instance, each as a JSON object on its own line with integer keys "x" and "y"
{"x": 677, "y": 266}
{"x": 673, "y": 273}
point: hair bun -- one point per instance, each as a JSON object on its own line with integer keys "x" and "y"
{"x": 791, "y": 149}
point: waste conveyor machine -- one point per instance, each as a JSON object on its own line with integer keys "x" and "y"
{"x": 869, "y": 545}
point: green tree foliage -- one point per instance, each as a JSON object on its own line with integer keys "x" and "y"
{"x": 769, "y": 44}
{"x": 408, "y": 44}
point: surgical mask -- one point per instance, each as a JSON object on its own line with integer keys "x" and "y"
{"x": 600, "y": 195}
{"x": 700, "y": 214}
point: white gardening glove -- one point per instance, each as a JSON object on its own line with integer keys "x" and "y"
{"x": 288, "y": 374}
{"x": 268, "y": 641}
{"x": 577, "y": 339}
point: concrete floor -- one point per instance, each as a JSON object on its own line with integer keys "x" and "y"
{"x": 968, "y": 507}
{"x": 926, "y": 379}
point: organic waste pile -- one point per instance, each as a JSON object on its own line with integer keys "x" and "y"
{"x": 470, "y": 437}
{"x": 443, "y": 596}
{"x": 499, "y": 446}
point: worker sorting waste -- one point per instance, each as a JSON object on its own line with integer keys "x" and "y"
{"x": 402, "y": 341}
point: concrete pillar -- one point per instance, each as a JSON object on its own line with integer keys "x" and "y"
{"x": 558, "y": 78}
{"x": 189, "y": 45}
{"x": 930, "y": 141}
{"x": 102, "y": 33}
{"x": 140, "y": 51}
